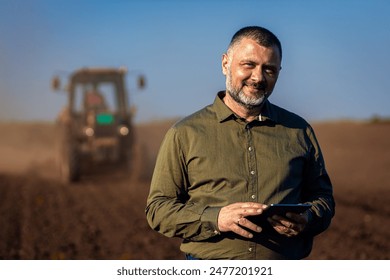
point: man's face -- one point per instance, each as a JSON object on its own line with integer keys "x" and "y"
{"x": 251, "y": 72}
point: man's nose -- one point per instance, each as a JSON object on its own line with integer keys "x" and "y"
{"x": 257, "y": 75}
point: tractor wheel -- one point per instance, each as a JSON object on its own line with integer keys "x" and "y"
{"x": 69, "y": 164}
{"x": 69, "y": 159}
{"x": 125, "y": 152}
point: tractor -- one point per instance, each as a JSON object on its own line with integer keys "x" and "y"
{"x": 96, "y": 125}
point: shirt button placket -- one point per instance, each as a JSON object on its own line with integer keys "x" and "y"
{"x": 252, "y": 188}
{"x": 251, "y": 251}
{"x": 252, "y": 164}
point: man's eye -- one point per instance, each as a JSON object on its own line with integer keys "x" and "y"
{"x": 249, "y": 64}
{"x": 270, "y": 72}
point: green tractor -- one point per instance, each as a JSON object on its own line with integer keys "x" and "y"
{"x": 96, "y": 125}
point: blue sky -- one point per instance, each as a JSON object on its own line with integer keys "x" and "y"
{"x": 335, "y": 61}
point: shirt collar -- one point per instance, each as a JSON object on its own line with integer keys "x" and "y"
{"x": 268, "y": 112}
{"x": 224, "y": 113}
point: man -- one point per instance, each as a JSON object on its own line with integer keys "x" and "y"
{"x": 219, "y": 169}
{"x": 94, "y": 100}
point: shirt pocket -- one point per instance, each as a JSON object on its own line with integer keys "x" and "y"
{"x": 281, "y": 172}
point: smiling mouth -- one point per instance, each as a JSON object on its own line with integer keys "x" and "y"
{"x": 256, "y": 86}
{"x": 255, "y": 89}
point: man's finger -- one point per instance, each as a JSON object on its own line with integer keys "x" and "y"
{"x": 251, "y": 205}
{"x": 240, "y": 231}
{"x": 248, "y": 224}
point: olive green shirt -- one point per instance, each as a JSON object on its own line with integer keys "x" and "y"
{"x": 213, "y": 158}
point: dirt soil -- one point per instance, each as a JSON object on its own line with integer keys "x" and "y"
{"x": 102, "y": 216}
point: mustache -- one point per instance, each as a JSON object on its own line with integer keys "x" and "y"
{"x": 259, "y": 86}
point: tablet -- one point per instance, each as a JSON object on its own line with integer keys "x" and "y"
{"x": 282, "y": 209}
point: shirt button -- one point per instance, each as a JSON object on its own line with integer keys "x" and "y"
{"x": 250, "y": 149}
{"x": 253, "y": 196}
{"x": 253, "y": 172}
{"x": 250, "y": 249}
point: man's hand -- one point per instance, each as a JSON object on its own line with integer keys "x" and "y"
{"x": 291, "y": 225}
{"x": 232, "y": 218}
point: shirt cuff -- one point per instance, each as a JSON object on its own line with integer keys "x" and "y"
{"x": 209, "y": 220}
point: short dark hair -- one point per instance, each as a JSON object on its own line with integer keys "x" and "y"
{"x": 261, "y": 35}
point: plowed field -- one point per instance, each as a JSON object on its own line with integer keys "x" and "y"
{"x": 102, "y": 216}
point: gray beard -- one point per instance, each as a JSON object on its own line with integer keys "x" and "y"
{"x": 239, "y": 96}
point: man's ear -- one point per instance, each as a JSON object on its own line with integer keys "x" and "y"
{"x": 225, "y": 62}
